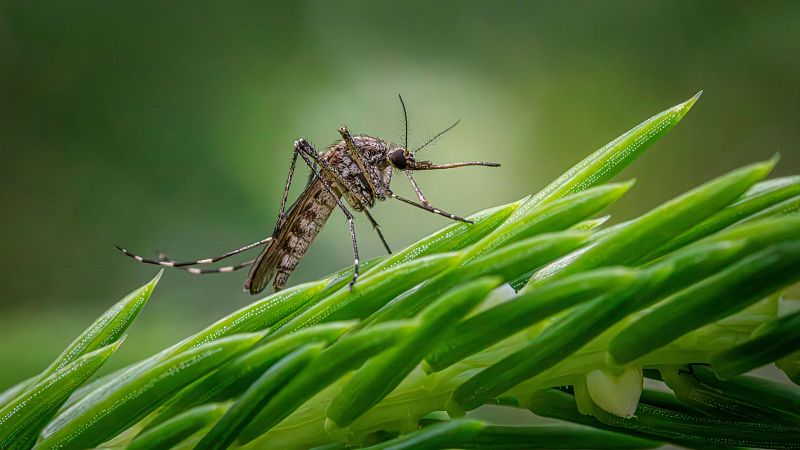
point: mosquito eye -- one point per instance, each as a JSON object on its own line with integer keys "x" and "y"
{"x": 398, "y": 159}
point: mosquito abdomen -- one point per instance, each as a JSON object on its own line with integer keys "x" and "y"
{"x": 304, "y": 223}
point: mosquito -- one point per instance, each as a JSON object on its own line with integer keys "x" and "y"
{"x": 355, "y": 171}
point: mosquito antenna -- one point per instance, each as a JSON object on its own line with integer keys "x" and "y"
{"x": 437, "y": 136}
{"x": 405, "y": 122}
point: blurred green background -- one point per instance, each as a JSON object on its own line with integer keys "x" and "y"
{"x": 169, "y": 127}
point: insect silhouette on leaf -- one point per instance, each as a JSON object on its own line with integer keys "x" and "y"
{"x": 353, "y": 173}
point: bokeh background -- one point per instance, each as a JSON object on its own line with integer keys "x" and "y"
{"x": 169, "y": 127}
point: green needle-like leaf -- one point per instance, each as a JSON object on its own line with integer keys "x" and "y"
{"x": 453, "y": 237}
{"x": 790, "y": 366}
{"x": 508, "y": 263}
{"x": 107, "y": 328}
{"x": 257, "y": 315}
{"x": 760, "y": 201}
{"x": 729, "y": 291}
{"x": 553, "y": 216}
{"x": 741, "y": 399}
{"x": 253, "y": 317}
{"x": 776, "y": 395}
{"x": 21, "y": 418}
{"x": 450, "y": 238}
{"x": 558, "y": 216}
{"x": 664, "y": 400}
{"x": 98, "y": 417}
{"x": 371, "y": 292}
{"x": 640, "y": 236}
{"x": 13, "y": 391}
{"x": 380, "y": 375}
{"x": 178, "y": 428}
{"x": 789, "y": 206}
{"x": 692, "y": 430}
{"x": 767, "y": 187}
{"x": 769, "y": 343}
{"x": 442, "y": 435}
{"x": 762, "y": 233}
{"x": 590, "y": 224}
{"x": 237, "y": 375}
{"x": 603, "y": 164}
{"x": 689, "y": 265}
{"x": 493, "y": 325}
{"x": 608, "y": 161}
{"x": 554, "y": 344}
{"x": 588, "y": 320}
{"x": 548, "y": 437}
{"x": 347, "y": 354}
{"x": 239, "y": 415}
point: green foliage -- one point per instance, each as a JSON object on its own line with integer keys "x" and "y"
{"x": 178, "y": 428}
{"x": 687, "y": 294}
{"x": 38, "y": 403}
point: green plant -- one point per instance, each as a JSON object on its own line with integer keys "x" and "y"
{"x": 688, "y": 295}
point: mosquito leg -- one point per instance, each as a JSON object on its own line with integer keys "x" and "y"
{"x": 167, "y": 263}
{"x": 356, "y": 156}
{"x": 355, "y": 249}
{"x": 420, "y": 195}
{"x": 282, "y": 213}
{"x": 310, "y": 156}
{"x": 430, "y": 208}
{"x": 319, "y": 166}
{"x": 377, "y": 229}
{"x": 196, "y": 271}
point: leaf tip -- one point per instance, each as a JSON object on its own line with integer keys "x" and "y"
{"x": 142, "y": 295}
{"x": 152, "y": 283}
{"x": 776, "y": 158}
{"x": 116, "y": 344}
{"x": 689, "y": 103}
{"x": 683, "y": 108}
{"x": 625, "y": 186}
{"x": 765, "y": 167}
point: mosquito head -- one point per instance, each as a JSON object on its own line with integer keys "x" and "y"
{"x": 401, "y": 158}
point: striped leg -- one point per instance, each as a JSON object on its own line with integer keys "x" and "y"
{"x": 429, "y": 208}
{"x": 226, "y": 269}
{"x": 168, "y": 263}
{"x": 195, "y": 271}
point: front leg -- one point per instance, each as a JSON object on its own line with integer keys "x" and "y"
{"x": 310, "y": 156}
{"x": 356, "y": 156}
{"x": 282, "y": 213}
{"x": 430, "y": 208}
{"x": 414, "y": 184}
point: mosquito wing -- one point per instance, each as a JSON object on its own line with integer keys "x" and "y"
{"x": 290, "y": 242}
{"x": 262, "y": 269}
